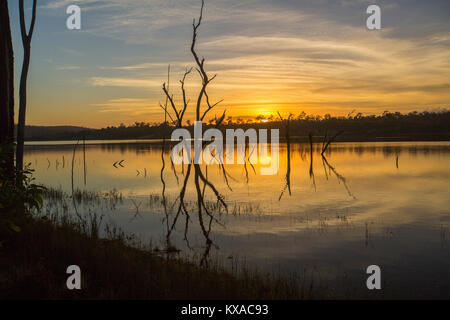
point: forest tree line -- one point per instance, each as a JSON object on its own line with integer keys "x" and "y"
{"x": 389, "y": 126}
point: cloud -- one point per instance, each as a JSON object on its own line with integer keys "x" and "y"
{"x": 68, "y": 68}
{"x": 127, "y": 106}
{"x": 124, "y": 82}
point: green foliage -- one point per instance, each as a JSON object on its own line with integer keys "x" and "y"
{"x": 19, "y": 195}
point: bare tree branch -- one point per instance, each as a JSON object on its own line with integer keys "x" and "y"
{"x": 185, "y": 102}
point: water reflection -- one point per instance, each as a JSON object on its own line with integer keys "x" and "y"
{"x": 334, "y": 212}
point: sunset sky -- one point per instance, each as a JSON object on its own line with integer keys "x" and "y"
{"x": 279, "y": 55}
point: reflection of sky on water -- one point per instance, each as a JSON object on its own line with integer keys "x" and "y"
{"x": 398, "y": 218}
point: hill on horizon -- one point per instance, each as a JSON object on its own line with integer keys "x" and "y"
{"x": 36, "y": 132}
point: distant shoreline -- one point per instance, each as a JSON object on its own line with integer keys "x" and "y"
{"x": 413, "y": 126}
{"x": 295, "y": 139}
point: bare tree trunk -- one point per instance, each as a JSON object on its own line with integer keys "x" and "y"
{"x": 176, "y": 115}
{"x": 26, "y": 41}
{"x": 6, "y": 88}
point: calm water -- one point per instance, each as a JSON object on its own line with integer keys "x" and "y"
{"x": 367, "y": 203}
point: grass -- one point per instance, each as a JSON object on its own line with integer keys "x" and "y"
{"x": 33, "y": 265}
{"x": 80, "y": 196}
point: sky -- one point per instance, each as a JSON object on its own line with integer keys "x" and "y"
{"x": 315, "y": 56}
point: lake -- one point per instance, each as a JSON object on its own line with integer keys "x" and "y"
{"x": 377, "y": 203}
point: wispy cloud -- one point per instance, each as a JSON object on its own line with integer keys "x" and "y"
{"x": 124, "y": 82}
{"x": 68, "y": 68}
{"x": 128, "y": 106}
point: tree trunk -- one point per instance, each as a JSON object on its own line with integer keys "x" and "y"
{"x": 26, "y": 41}
{"x": 22, "y": 107}
{"x": 6, "y": 88}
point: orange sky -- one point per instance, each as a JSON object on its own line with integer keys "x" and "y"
{"x": 268, "y": 57}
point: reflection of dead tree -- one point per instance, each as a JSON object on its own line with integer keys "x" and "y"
{"x": 73, "y": 163}
{"x": 221, "y": 166}
{"x": 338, "y": 176}
{"x": 182, "y": 209}
{"x": 163, "y": 149}
{"x": 311, "y": 169}
{"x": 288, "y": 146}
{"x": 136, "y": 207}
{"x": 84, "y": 160}
{"x": 326, "y": 165}
{"x": 326, "y": 142}
{"x": 202, "y": 184}
{"x": 226, "y": 175}
{"x": 73, "y": 191}
{"x": 163, "y": 194}
{"x": 247, "y": 158}
{"x": 174, "y": 171}
{"x": 200, "y": 206}
{"x": 219, "y": 197}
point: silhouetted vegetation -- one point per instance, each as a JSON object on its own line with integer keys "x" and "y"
{"x": 19, "y": 195}
{"x": 6, "y": 87}
{"x": 36, "y": 248}
{"x": 418, "y": 126}
{"x": 201, "y": 182}
{"x": 26, "y": 42}
{"x": 34, "y": 262}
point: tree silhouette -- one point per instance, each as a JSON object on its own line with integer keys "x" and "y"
{"x": 26, "y": 42}
{"x": 6, "y": 90}
{"x": 201, "y": 182}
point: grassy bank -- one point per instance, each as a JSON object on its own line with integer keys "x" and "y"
{"x": 33, "y": 265}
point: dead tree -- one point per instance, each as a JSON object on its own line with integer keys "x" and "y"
{"x": 328, "y": 140}
{"x": 176, "y": 115}
{"x": 26, "y": 41}
{"x": 179, "y": 112}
